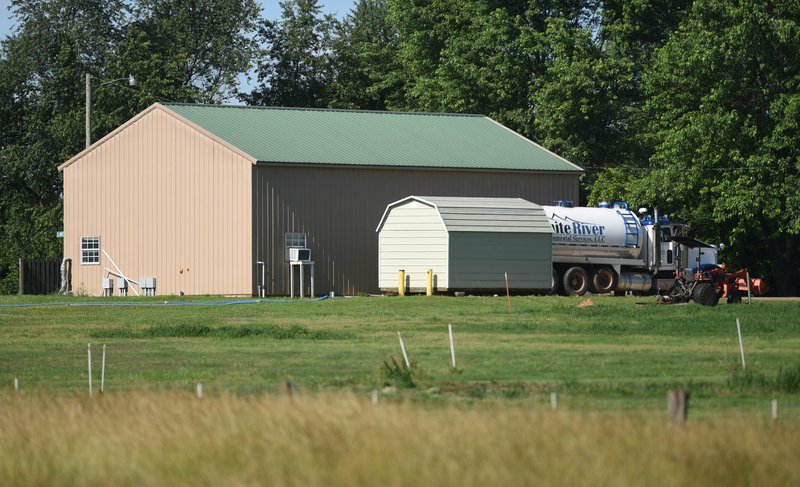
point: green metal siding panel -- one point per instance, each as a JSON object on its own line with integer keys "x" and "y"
{"x": 362, "y": 138}
{"x": 479, "y": 260}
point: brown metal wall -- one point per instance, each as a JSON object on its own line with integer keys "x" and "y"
{"x": 164, "y": 198}
{"x": 340, "y": 209}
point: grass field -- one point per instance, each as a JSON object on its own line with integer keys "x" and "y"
{"x": 487, "y": 422}
{"x": 155, "y": 439}
{"x": 614, "y": 355}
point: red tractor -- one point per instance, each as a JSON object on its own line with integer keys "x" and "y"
{"x": 710, "y": 282}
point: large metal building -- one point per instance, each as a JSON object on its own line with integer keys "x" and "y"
{"x": 197, "y": 195}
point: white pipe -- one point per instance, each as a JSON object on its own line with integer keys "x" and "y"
{"x": 109, "y": 272}
{"x": 508, "y": 295}
{"x": 452, "y": 346}
{"x": 199, "y": 390}
{"x": 103, "y": 370}
{"x": 741, "y": 345}
{"x": 122, "y": 275}
{"x": 262, "y": 287}
{"x": 89, "y": 351}
{"x": 403, "y": 348}
{"x": 16, "y": 384}
{"x": 774, "y": 409}
{"x": 553, "y": 401}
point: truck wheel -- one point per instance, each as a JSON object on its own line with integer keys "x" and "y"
{"x": 604, "y": 280}
{"x": 705, "y": 294}
{"x": 576, "y": 281}
{"x": 555, "y": 283}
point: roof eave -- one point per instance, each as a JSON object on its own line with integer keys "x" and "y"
{"x": 577, "y": 168}
{"x": 400, "y": 202}
{"x": 109, "y": 135}
{"x": 418, "y": 168}
{"x": 166, "y": 110}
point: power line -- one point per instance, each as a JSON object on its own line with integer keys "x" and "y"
{"x": 781, "y": 166}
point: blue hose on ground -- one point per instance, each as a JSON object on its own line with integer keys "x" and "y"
{"x": 165, "y": 303}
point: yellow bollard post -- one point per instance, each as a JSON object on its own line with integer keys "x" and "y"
{"x": 401, "y": 283}
{"x": 429, "y": 289}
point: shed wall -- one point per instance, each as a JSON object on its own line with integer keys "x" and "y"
{"x": 479, "y": 260}
{"x": 340, "y": 207}
{"x": 166, "y": 201}
{"x": 413, "y": 238}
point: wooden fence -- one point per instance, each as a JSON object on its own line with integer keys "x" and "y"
{"x": 39, "y": 276}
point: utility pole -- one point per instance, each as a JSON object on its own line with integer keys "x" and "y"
{"x": 88, "y": 109}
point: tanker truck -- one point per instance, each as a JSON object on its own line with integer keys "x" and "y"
{"x": 611, "y": 249}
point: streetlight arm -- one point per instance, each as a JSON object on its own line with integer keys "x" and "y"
{"x": 131, "y": 82}
{"x": 130, "y": 79}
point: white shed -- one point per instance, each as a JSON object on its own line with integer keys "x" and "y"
{"x": 469, "y": 243}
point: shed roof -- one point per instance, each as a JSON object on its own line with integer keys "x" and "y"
{"x": 371, "y": 138}
{"x": 470, "y": 214}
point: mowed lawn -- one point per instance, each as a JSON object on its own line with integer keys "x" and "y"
{"x": 616, "y": 354}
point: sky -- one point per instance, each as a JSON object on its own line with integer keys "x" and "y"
{"x": 271, "y": 10}
{"x": 5, "y": 21}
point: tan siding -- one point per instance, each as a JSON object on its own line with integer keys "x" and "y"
{"x": 162, "y": 197}
{"x": 341, "y": 207}
{"x": 413, "y": 248}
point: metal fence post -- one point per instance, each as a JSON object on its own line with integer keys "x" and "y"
{"x": 21, "y": 278}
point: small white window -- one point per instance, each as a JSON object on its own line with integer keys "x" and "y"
{"x": 294, "y": 241}
{"x": 90, "y": 250}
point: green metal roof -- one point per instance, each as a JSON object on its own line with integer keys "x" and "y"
{"x": 369, "y": 138}
{"x": 470, "y": 214}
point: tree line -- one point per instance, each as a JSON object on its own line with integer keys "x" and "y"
{"x": 690, "y": 106}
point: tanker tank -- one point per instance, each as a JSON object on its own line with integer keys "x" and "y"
{"x": 595, "y": 232}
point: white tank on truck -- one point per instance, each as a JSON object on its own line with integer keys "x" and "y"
{"x": 611, "y": 249}
{"x": 595, "y": 232}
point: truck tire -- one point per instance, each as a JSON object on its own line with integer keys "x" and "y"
{"x": 555, "y": 283}
{"x": 576, "y": 281}
{"x": 705, "y": 294}
{"x": 604, "y": 280}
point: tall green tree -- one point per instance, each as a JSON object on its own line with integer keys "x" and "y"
{"x": 723, "y": 101}
{"x": 41, "y": 82}
{"x": 365, "y": 62}
{"x": 465, "y": 56}
{"x": 179, "y": 50}
{"x": 574, "y": 98}
{"x": 191, "y": 50}
{"x": 295, "y": 67}
{"x": 589, "y": 101}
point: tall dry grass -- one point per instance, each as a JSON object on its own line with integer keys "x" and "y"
{"x": 176, "y": 439}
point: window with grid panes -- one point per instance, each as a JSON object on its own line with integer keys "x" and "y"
{"x": 294, "y": 240}
{"x": 90, "y": 250}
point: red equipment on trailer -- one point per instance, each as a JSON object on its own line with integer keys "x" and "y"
{"x": 709, "y": 282}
